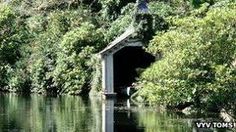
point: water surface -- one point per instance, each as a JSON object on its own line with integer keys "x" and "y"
{"x": 36, "y": 113}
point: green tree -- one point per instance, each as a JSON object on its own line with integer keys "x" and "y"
{"x": 73, "y": 72}
{"x": 13, "y": 36}
{"x": 197, "y": 65}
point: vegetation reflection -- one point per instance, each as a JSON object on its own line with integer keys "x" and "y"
{"x": 154, "y": 121}
{"x": 39, "y": 113}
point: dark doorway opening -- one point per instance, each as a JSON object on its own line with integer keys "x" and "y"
{"x": 128, "y": 63}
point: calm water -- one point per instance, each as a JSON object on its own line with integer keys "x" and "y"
{"x": 75, "y": 114}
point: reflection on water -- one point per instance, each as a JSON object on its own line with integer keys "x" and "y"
{"x": 134, "y": 119}
{"x": 48, "y": 114}
{"x": 108, "y": 116}
{"x": 75, "y": 114}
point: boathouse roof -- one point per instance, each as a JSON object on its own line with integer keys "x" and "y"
{"x": 121, "y": 40}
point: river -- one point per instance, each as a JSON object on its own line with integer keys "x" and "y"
{"x": 37, "y": 113}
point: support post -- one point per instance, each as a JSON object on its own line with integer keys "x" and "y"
{"x": 108, "y": 76}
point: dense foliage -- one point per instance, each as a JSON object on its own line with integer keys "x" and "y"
{"x": 47, "y": 50}
{"x": 50, "y": 46}
{"x": 198, "y": 60}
